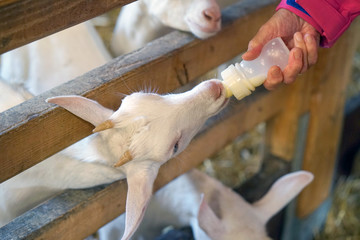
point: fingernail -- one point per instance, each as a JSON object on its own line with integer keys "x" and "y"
{"x": 298, "y": 36}
{"x": 250, "y": 46}
{"x": 308, "y": 38}
{"x": 276, "y": 73}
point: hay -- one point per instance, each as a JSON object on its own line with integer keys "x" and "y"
{"x": 343, "y": 221}
{"x": 239, "y": 160}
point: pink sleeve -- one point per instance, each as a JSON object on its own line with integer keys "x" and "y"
{"x": 331, "y": 21}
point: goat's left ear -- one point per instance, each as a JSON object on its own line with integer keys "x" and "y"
{"x": 208, "y": 221}
{"x": 85, "y": 108}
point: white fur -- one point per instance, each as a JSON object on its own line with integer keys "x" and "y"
{"x": 55, "y": 59}
{"x": 9, "y": 97}
{"x": 213, "y": 210}
{"x": 142, "y": 21}
{"x": 147, "y": 124}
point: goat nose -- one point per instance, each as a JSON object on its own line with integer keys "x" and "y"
{"x": 215, "y": 88}
{"x": 212, "y": 14}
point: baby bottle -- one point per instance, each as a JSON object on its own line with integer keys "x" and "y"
{"x": 242, "y": 78}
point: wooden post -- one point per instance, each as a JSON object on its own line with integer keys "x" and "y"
{"x": 281, "y": 131}
{"x": 330, "y": 77}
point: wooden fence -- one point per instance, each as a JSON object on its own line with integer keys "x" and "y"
{"x": 168, "y": 63}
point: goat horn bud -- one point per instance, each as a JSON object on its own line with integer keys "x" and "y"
{"x": 126, "y": 157}
{"x": 103, "y": 126}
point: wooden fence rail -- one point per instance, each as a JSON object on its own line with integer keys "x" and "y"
{"x": 24, "y": 21}
{"x": 170, "y": 62}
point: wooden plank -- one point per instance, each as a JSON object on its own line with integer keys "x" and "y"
{"x": 7, "y": 2}
{"x": 326, "y": 116}
{"x": 95, "y": 207}
{"x": 167, "y": 63}
{"x": 24, "y": 21}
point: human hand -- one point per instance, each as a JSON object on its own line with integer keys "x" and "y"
{"x": 300, "y": 37}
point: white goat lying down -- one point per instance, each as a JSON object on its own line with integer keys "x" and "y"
{"x": 147, "y": 129}
{"x": 213, "y": 210}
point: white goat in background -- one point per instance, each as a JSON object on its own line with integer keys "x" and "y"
{"x": 143, "y": 21}
{"x": 147, "y": 128}
{"x": 213, "y": 210}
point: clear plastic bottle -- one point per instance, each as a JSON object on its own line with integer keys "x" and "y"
{"x": 242, "y": 78}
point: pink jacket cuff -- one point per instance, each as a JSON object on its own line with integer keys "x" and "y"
{"x": 328, "y": 22}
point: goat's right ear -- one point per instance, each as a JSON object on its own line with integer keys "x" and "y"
{"x": 85, "y": 108}
{"x": 281, "y": 193}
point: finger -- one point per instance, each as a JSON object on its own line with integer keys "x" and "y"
{"x": 252, "y": 53}
{"x": 300, "y": 43}
{"x": 274, "y": 78}
{"x": 312, "y": 48}
{"x": 294, "y": 67}
{"x": 264, "y": 34}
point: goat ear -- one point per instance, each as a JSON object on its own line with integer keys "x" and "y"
{"x": 208, "y": 221}
{"x": 85, "y": 108}
{"x": 140, "y": 179}
{"x": 281, "y": 193}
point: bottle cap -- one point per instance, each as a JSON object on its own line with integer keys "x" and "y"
{"x": 232, "y": 81}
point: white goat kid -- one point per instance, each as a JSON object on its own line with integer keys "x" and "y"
{"x": 213, "y": 210}
{"x": 147, "y": 128}
{"x": 142, "y": 21}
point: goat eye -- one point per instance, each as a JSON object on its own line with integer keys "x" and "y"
{"x": 176, "y": 147}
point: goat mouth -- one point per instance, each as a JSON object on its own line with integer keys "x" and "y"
{"x": 209, "y": 30}
{"x": 221, "y": 107}
{"x": 224, "y": 103}
{"x": 205, "y": 29}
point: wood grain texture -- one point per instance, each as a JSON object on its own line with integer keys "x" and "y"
{"x": 24, "y": 21}
{"x": 34, "y": 130}
{"x": 282, "y": 130}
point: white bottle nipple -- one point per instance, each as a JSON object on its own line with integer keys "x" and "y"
{"x": 241, "y": 79}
